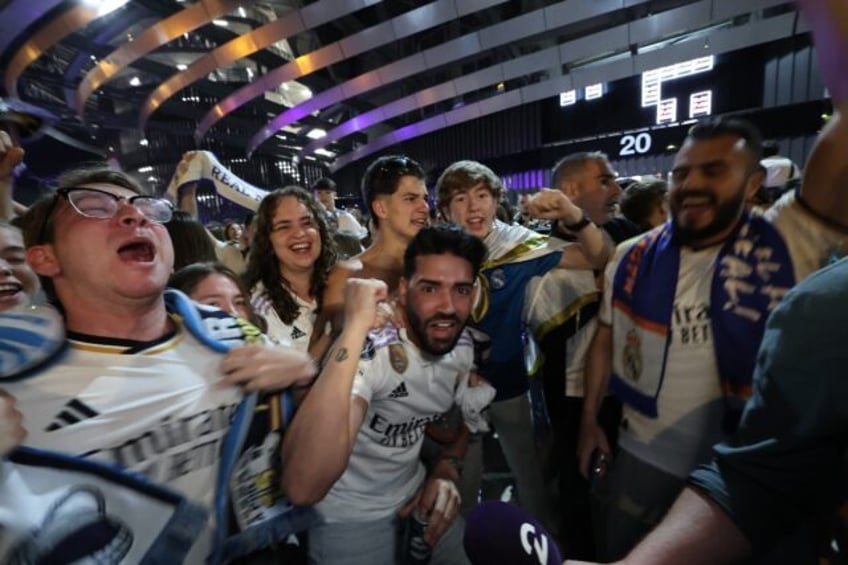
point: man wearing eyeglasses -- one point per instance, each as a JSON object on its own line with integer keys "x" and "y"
{"x": 139, "y": 384}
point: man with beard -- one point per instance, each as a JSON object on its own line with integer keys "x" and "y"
{"x": 685, "y": 307}
{"x": 353, "y": 447}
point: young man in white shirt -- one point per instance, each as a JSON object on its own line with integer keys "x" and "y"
{"x": 135, "y": 387}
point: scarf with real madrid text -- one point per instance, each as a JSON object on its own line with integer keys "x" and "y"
{"x": 753, "y": 271}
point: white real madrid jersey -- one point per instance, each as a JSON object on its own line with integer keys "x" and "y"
{"x": 405, "y": 390}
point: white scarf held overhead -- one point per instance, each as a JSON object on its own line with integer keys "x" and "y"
{"x": 202, "y": 165}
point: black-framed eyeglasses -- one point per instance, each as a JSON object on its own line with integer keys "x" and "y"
{"x": 103, "y": 205}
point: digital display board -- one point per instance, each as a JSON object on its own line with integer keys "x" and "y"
{"x": 668, "y": 95}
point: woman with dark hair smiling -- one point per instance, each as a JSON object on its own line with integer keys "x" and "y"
{"x": 291, "y": 255}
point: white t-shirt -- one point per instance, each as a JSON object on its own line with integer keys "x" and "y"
{"x": 298, "y": 333}
{"x": 405, "y": 390}
{"x": 690, "y": 404}
{"x": 158, "y": 410}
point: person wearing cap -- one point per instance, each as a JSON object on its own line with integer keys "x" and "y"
{"x": 340, "y": 221}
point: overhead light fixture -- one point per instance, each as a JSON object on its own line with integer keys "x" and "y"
{"x": 135, "y": 81}
{"x": 146, "y": 169}
{"x": 181, "y": 67}
{"x": 222, "y": 23}
{"x": 143, "y": 142}
{"x": 316, "y": 133}
{"x": 324, "y": 153}
{"x": 104, "y": 6}
{"x": 151, "y": 178}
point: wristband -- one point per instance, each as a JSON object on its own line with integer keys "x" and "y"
{"x": 580, "y": 224}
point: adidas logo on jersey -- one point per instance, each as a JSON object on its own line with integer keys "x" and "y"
{"x": 297, "y": 333}
{"x": 399, "y": 392}
{"x": 73, "y": 412}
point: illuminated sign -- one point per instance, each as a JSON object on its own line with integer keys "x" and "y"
{"x": 701, "y": 104}
{"x": 594, "y": 91}
{"x": 637, "y": 144}
{"x": 667, "y": 111}
{"x": 567, "y": 98}
{"x": 653, "y": 79}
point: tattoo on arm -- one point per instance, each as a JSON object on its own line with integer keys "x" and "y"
{"x": 340, "y": 355}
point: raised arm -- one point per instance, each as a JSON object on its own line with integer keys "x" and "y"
{"x": 187, "y": 202}
{"x": 317, "y": 445}
{"x": 332, "y": 311}
{"x": 10, "y": 156}
{"x": 594, "y": 245}
{"x": 825, "y": 184}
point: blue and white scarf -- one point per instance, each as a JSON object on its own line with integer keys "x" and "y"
{"x": 31, "y": 339}
{"x": 753, "y": 272}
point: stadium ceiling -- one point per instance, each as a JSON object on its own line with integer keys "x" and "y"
{"x": 337, "y": 80}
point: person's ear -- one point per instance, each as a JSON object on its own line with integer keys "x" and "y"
{"x": 754, "y": 182}
{"x": 42, "y": 260}
{"x": 379, "y": 208}
{"x": 403, "y": 288}
{"x": 570, "y": 188}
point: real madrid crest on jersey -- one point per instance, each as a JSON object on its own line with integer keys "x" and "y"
{"x": 398, "y": 358}
{"x": 498, "y": 279}
{"x": 632, "y": 356}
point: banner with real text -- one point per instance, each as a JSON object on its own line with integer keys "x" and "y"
{"x": 203, "y": 165}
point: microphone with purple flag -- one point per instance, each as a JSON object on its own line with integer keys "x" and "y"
{"x": 497, "y": 532}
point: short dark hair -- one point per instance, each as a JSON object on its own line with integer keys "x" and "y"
{"x": 444, "y": 239}
{"x": 189, "y": 239}
{"x": 324, "y": 183}
{"x": 640, "y": 199}
{"x": 382, "y": 177}
{"x": 462, "y": 176}
{"x": 719, "y": 126}
{"x": 573, "y": 164}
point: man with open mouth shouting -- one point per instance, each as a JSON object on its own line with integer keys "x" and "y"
{"x": 139, "y": 382}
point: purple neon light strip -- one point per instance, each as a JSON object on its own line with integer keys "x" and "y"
{"x": 518, "y": 67}
{"x": 373, "y": 79}
{"x": 756, "y": 33}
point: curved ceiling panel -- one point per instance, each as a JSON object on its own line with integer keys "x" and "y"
{"x": 721, "y": 41}
{"x": 159, "y": 34}
{"x": 23, "y": 15}
{"x": 297, "y": 68}
{"x": 453, "y": 50}
{"x": 399, "y": 27}
{"x": 240, "y": 47}
{"x": 70, "y": 21}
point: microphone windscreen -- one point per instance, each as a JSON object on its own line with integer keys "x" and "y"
{"x": 497, "y": 532}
